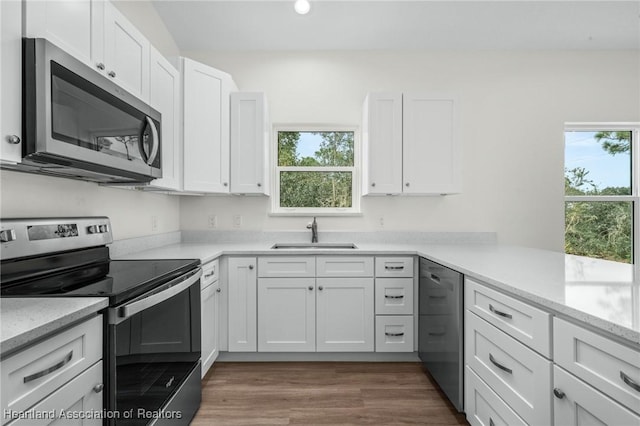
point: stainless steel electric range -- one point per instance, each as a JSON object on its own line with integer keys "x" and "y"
{"x": 152, "y": 325}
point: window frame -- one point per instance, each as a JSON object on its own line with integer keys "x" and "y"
{"x": 355, "y": 170}
{"x": 634, "y": 197}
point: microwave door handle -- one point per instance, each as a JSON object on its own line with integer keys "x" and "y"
{"x": 121, "y": 313}
{"x": 156, "y": 141}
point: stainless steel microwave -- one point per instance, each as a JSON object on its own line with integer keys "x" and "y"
{"x": 77, "y": 123}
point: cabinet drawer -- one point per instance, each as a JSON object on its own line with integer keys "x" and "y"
{"x": 484, "y": 407}
{"x": 394, "y": 296}
{"x": 608, "y": 366}
{"x": 525, "y": 323}
{"x": 282, "y": 267}
{"x": 210, "y": 274}
{"x": 521, "y": 377}
{"x": 388, "y": 267}
{"x": 345, "y": 266}
{"x": 76, "y": 397}
{"x": 394, "y": 333}
{"x": 584, "y": 405}
{"x": 34, "y": 373}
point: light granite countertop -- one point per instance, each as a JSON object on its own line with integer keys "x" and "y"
{"x": 605, "y": 295}
{"x": 25, "y": 320}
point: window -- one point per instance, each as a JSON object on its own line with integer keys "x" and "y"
{"x": 316, "y": 170}
{"x": 601, "y": 191}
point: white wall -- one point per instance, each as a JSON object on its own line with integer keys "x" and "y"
{"x": 131, "y": 212}
{"x": 512, "y": 109}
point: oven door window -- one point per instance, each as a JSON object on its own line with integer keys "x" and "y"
{"x": 88, "y": 117}
{"x": 155, "y": 351}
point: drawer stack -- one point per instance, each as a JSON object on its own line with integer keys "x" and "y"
{"x": 507, "y": 350}
{"x": 394, "y": 304}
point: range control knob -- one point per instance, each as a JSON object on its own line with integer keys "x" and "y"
{"x": 93, "y": 229}
{"x": 104, "y": 228}
{"x": 7, "y": 235}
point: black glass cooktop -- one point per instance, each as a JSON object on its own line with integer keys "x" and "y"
{"x": 120, "y": 280}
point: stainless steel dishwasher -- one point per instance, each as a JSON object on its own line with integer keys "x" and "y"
{"x": 440, "y": 328}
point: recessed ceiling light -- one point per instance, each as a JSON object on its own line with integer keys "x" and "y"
{"x": 302, "y": 6}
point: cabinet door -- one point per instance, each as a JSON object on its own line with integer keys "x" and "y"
{"x": 249, "y": 144}
{"x": 82, "y": 395}
{"x": 242, "y": 305}
{"x": 344, "y": 321}
{"x": 382, "y": 144}
{"x": 164, "y": 96}
{"x": 210, "y": 303}
{"x": 206, "y": 128}
{"x": 576, "y": 403}
{"x": 286, "y": 315}
{"x": 10, "y": 82}
{"x": 126, "y": 53}
{"x": 75, "y": 26}
{"x": 430, "y": 152}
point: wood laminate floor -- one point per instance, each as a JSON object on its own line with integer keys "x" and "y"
{"x": 323, "y": 393}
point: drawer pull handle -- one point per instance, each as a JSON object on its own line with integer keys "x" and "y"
{"x": 210, "y": 274}
{"x": 630, "y": 382}
{"x": 500, "y": 366}
{"x": 394, "y": 334}
{"x": 497, "y": 312}
{"x": 491, "y": 423}
{"x": 558, "y": 393}
{"x": 49, "y": 370}
{"x": 394, "y": 268}
{"x": 386, "y": 296}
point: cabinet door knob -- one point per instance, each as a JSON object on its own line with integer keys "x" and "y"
{"x": 98, "y": 388}
{"x": 100, "y": 66}
{"x": 13, "y": 139}
{"x": 320, "y": 288}
{"x": 558, "y": 393}
{"x": 373, "y": 184}
{"x": 406, "y": 184}
{"x": 225, "y": 184}
{"x": 218, "y": 290}
{"x": 310, "y": 287}
{"x": 259, "y": 184}
{"x": 111, "y": 74}
{"x": 250, "y": 266}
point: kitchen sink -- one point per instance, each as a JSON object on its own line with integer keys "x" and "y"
{"x": 322, "y": 246}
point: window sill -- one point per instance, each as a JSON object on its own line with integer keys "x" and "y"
{"x": 316, "y": 214}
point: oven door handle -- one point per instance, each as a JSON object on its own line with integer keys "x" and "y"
{"x": 121, "y": 313}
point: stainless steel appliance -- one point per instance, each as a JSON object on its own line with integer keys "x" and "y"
{"x": 152, "y": 325}
{"x": 440, "y": 328}
{"x": 79, "y": 124}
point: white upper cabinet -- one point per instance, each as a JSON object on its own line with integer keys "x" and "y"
{"x": 164, "y": 96}
{"x": 382, "y": 143}
{"x": 10, "y": 82}
{"x": 249, "y": 144}
{"x": 430, "y": 152}
{"x": 126, "y": 53}
{"x": 75, "y": 26}
{"x": 410, "y": 144}
{"x": 96, "y": 33}
{"x": 206, "y": 93}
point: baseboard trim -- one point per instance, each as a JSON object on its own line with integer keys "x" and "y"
{"x": 318, "y": 357}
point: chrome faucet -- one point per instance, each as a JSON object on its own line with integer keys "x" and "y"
{"x": 314, "y": 230}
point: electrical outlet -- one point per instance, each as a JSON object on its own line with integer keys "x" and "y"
{"x": 154, "y": 223}
{"x": 237, "y": 221}
{"x": 213, "y": 221}
{"x": 381, "y": 222}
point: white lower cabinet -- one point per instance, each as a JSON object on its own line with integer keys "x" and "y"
{"x": 345, "y": 315}
{"x": 63, "y": 372}
{"x": 286, "y": 315}
{"x": 577, "y": 403}
{"x": 484, "y": 407}
{"x": 210, "y": 310}
{"x": 242, "y": 304}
